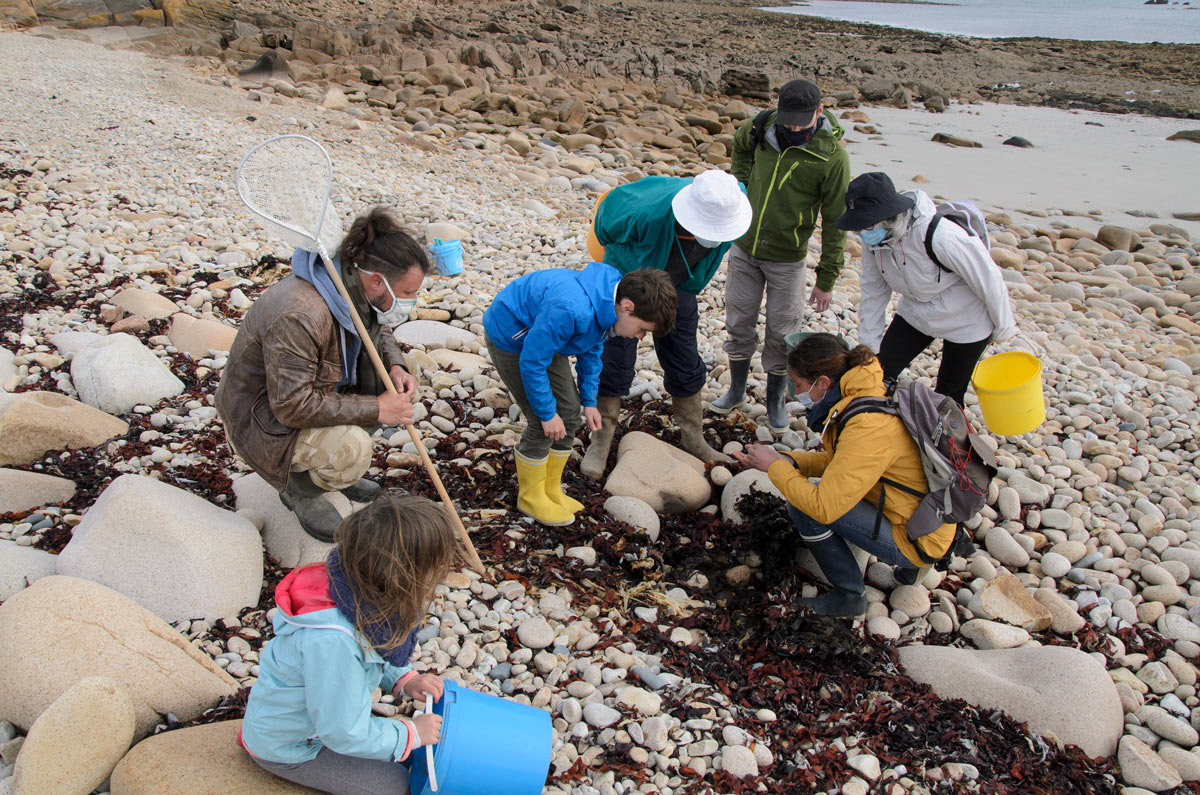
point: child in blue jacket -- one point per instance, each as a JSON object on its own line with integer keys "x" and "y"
{"x": 343, "y": 628}
{"x": 532, "y": 326}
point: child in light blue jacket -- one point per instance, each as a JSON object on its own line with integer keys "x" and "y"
{"x": 343, "y": 628}
{"x": 532, "y": 326}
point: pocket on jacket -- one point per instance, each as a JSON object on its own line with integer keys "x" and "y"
{"x": 264, "y": 419}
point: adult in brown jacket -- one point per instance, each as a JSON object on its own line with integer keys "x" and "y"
{"x": 843, "y": 506}
{"x": 299, "y": 391}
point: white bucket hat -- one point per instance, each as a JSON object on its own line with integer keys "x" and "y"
{"x": 713, "y": 207}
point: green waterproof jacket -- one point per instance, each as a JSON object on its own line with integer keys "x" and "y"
{"x": 636, "y": 226}
{"x": 787, "y": 189}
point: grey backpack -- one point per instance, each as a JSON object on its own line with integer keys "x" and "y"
{"x": 958, "y": 466}
{"x": 966, "y": 215}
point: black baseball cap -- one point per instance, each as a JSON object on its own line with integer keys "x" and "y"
{"x": 798, "y": 100}
{"x": 871, "y": 198}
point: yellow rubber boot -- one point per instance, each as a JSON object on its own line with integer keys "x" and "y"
{"x": 531, "y": 495}
{"x": 555, "y": 464}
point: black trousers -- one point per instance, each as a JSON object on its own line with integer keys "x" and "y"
{"x": 902, "y": 343}
{"x": 683, "y": 369}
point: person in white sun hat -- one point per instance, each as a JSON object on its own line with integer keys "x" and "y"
{"x": 684, "y": 226}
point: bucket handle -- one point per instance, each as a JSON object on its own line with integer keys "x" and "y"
{"x": 433, "y": 787}
{"x": 1034, "y": 346}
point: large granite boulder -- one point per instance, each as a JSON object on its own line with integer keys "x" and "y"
{"x": 1058, "y": 691}
{"x": 119, "y": 372}
{"x": 21, "y": 566}
{"x": 282, "y": 534}
{"x": 172, "y": 552}
{"x": 22, "y": 491}
{"x": 196, "y": 761}
{"x": 666, "y": 478}
{"x": 33, "y": 423}
{"x": 62, "y": 629}
{"x": 74, "y": 745}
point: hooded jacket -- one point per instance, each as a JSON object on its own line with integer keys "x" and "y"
{"x": 968, "y": 304}
{"x": 871, "y": 446}
{"x": 786, "y": 190}
{"x": 551, "y": 312}
{"x": 283, "y": 373}
{"x": 636, "y": 226}
{"x": 315, "y": 681}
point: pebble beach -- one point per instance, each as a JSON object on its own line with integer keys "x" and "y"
{"x": 138, "y": 556}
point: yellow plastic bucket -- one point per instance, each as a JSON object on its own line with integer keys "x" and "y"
{"x": 1009, "y": 388}
{"x": 595, "y": 250}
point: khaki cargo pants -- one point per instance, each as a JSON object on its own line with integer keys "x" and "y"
{"x": 744, "y": 285}
{"x": 334, "y": 457}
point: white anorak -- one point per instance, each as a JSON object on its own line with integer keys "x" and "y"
{"x": 968, "y": 304}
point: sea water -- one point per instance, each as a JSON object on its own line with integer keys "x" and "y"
{"x": 1178, "y": 21}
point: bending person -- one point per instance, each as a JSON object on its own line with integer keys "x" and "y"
{"x": 963, "y": 302}
{"x": 532, "y": 327}
{"x": 299, "y": 391}
{"x": 684, "y": 226}
{"x": 849, "y": 504}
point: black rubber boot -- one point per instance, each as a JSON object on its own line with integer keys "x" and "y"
{"x": 739, "y": 371}
{"x": 306, "y": 499}
{"x": 362, "y": 491}
{"x": 777, "y": 416}
{"x": 838, "y": 565}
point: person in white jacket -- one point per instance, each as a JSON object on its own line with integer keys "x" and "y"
{"x": 965, "y": 304}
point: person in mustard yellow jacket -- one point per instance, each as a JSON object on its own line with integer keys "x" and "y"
{"x": 843, "y": 507}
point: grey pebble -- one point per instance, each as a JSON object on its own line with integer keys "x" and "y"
{"x": 648, "y": 677}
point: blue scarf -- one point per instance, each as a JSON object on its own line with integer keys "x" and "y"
{"x": 307, "y": 265}
{"x": 343, "y": 596}
{"x": 817, "y": 415}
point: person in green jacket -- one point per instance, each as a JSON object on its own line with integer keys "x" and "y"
{"x": 794, "y": 166}
{"x": 684, "y": 226}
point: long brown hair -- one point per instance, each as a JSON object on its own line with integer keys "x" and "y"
{"x": 828, "y": 355}
{"x": 394, "y": 552}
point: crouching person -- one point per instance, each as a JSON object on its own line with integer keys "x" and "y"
{"x": 851, "y": 503}
{"x": 299, "y": 392}
{"x": 532, "y": 326}
{"x": 342, "y": 629}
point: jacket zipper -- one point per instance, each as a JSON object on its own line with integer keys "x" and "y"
{"x": 771, "y": 189}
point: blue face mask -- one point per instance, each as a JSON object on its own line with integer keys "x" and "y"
{"x": 874, "y": 235}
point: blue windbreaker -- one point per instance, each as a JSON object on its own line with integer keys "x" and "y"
{"x": 556, "y": 311}
{"x": 315, "y": 681}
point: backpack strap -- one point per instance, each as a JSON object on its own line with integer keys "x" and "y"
{"x": 758, "y": 134}
{"x": 871, "y": 405}
{"x": 942, "y": 212}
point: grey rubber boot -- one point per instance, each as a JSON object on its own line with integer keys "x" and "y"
{"x": 833, "y": 555}
{"x": 777, "y": 416}
{"x": 304, "y": 498}
{"x": 689, "y": 416}
{"x": 362, "y": 491}
{"x": 596, "y": 457}
{"x": 739, "y": 371}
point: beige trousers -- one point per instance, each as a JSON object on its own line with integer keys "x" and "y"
{"x": 334, "y": 457}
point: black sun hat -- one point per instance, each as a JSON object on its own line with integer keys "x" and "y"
{"x": 798, "y": 101}
{"x": 872, "y": 198}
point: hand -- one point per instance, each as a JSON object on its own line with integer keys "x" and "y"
{"x": 418, "y": 686}
{"x": 592, "y": 415}
{"x": 819, "y": 299}
{"x": 759, "y": 456}
{"x": 554, "y": 428}
{"x": 430, "y": 729}
{"x": 405, "y": 383}
{"x": 395, "y": 409}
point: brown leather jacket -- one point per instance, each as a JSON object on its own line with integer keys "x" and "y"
{"x": 283, "y": 371}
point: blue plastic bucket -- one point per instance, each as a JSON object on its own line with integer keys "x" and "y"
{"x": 489, "y": 746}
{"x": 447, "y": 256}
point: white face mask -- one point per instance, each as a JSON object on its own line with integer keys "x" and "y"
{"x": 401, "y": 307}
{"x": 707, "y": 243}
{"x": 807, "y": 399}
